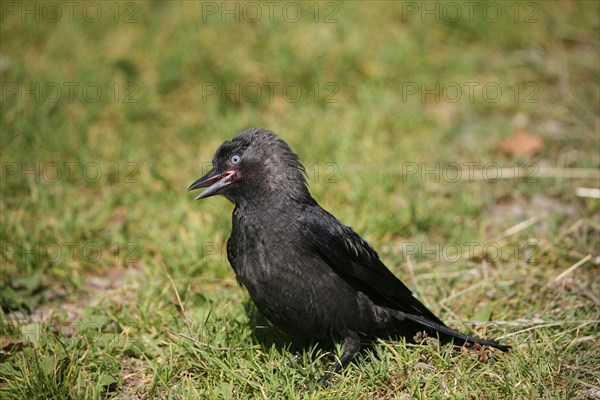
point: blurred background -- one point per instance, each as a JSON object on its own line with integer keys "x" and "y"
{"x": 462, "y": 139}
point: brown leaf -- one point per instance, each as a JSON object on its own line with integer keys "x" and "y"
{"x": 521, "y": 143}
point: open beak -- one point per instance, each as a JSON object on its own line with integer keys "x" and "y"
{"x": 214, "y": 182}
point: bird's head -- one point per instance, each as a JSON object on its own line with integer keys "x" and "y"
{"x": 255, "y": 166}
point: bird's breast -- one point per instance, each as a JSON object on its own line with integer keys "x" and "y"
{"x": 292, "y": 286}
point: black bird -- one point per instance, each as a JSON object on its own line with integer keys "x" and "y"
{"x": 308, "y": 274}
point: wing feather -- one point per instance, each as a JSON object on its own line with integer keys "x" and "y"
{"x": 350, "y": 256}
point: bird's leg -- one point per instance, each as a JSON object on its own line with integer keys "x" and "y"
{"x": 351, "y": 349}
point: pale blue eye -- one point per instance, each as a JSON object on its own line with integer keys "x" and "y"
{"x": 235, "y": 159}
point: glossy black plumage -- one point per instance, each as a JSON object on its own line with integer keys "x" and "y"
{"x": 307, "y": 273}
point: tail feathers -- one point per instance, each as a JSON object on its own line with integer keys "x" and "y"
{"x": 443, "y": 329}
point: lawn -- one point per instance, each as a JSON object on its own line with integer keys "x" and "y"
{"x": 461, "y": 139}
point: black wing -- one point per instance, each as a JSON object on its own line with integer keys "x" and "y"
{"x": 354, "y": 259}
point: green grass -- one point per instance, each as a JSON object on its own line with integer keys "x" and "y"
{"x": 88, "y": 306}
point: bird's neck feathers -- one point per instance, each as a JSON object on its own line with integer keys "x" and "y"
{"x": 287, "y": 178}
{"x": 280, "y": 181}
